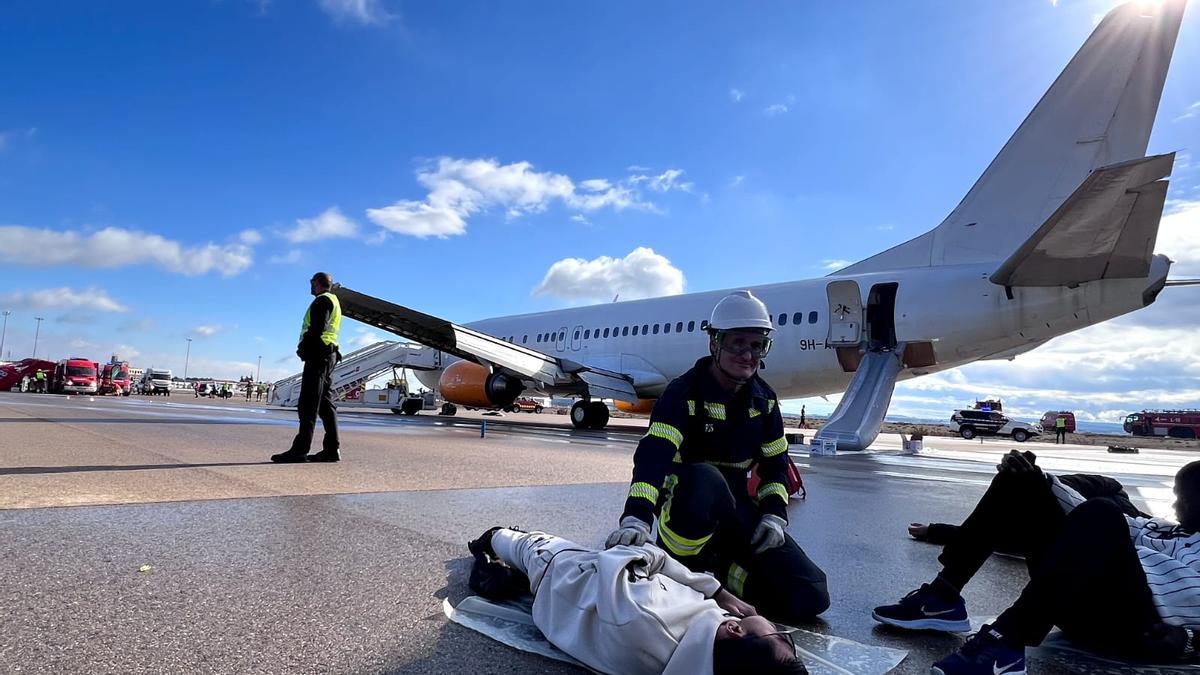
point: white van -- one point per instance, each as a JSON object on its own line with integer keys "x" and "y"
{"x": 156, "y": 381}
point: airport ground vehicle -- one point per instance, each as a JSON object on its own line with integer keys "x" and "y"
{"x": 526, "y": 404}
{"x": 970, "y": 423}
{"x": 11, "y": 374}
{"x": 1170, "y": 423}
{"x": 1050, "y": 419}
{"x": 156, "y": 381}
{"x": 115, "y": 379}
{"x": 75, "y": 375}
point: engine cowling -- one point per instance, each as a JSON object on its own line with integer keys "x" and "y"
{"x": 642, "y": 407}
{"x": 470, "y": 384}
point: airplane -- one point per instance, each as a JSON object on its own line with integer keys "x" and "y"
{"x": 1056, "y": 235}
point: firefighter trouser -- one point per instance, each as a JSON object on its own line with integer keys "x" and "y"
{"x": 316, "y": 399}
{"x": 706, "y": 524}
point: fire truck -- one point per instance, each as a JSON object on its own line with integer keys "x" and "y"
{"x": 1172, "y": 423}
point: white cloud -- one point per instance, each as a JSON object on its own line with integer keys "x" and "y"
{"x": 664, "y": 182}
{"x": 737, "y": 180}
{"x": 641, "y": 274}
{"x": 886, "y": 227}
{"x": 114, "y": 247}
{"x": 637, "y": 168}
{"x": 775, "y": 109}
{"x": 362, "y": 12}
{"x": 834, "y": 264}
{"x": 1179, "y": 238}
{"x": 250, "y": 237}
{"x": 80, "y": 343}
{"x": 461, "y": 188}
{"x": 207, "y": 330}
{"x": 63, "y": 298}
{"x": 328, "y": 224}
{"x": 365, "y": 337}
{"x": 1190, "y": 112}
{"x": 736, "y": 95}
{"x": 581, "y": 219}
{"x": 290, "y": 258}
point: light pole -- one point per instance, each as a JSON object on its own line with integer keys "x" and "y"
{"x": 258, "y": 373}
{"x": 186, "y": 358}
{"x": 36, "y": 334}
{"x": 4, "y": 333}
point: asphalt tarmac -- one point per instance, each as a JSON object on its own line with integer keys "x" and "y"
{"x": 184, "y": 550}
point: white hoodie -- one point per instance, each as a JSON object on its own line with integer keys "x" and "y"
{"x": 629, "y": 610}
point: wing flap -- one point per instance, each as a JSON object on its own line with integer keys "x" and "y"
{"x": 1106, "y": 229}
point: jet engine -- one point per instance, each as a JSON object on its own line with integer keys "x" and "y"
{"x": 470, "y": 384}
{"x": 642, "y": 407}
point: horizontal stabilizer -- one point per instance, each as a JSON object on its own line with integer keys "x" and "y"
{"x": 1105, "y": 230}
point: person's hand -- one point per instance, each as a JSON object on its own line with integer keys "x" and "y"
{"x": 1165, "y": 640}
{"x": 1018, "y": 463}
{"x": 734, "y": 605}
{"x": 768, "y": 534}
{"x": 918, "y": 531}
{"x": 633, "y": 532}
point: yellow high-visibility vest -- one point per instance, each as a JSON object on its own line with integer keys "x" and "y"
{"x": 329, "y": 335}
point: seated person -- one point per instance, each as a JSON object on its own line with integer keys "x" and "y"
{"x": 1124, "y": 586}
{"x": 633, "y": 610}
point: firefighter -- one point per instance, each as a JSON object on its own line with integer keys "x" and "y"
{"x": 318, "y": 349}
{"x": 690, "y": 470}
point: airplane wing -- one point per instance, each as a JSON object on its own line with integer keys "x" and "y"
{"x": 481, "y": 348}
{"x": 1105, "y": 230}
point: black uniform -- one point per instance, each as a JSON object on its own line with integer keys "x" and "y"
{"x": 691, "y": 470}
{"x": 316, "y": 390}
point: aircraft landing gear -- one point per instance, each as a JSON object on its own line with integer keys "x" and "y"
{"x": 448, "y": 409}
{"x": 589, "y": 415}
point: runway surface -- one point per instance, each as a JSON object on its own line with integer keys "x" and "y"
{"x": 255, "y": 567}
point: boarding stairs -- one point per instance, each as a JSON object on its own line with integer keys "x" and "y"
{"x": 856, "y": 422}
{"x": 359, "y": 367}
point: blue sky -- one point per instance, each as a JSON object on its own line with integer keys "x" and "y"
{"x": 173, "y": 170}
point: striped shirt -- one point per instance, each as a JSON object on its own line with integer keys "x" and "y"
{"x": 1170, "y": 557}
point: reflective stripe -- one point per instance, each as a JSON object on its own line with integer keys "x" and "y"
{"x": 679, "y": 545}
{"x": 667, "y": 432}
{"x": 691, "y": 407}
{"x": 775, "y": 447}
{"x": 754, "y": 412}
{"x": 715, "y": 410}
{"x": 770, "y": 406}
{"x": 733, "y": 465}
{"x": 736, "y": 581}
{"x": 645, "y": 491}
{"x": 773, "y": 489}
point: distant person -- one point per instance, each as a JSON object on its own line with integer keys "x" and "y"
{"x": 40, "y": 379}
{"x": 1060, "y": 429}
{"x": 711, "y": 425}
{"x": 630, "y": 610}
{"x": 249, "y": 389}
{"x": 196, "y": 390}
{"x": 1126, "y": 586}
{"x": 318, "y": 349}
{"x": 803, "y": 422}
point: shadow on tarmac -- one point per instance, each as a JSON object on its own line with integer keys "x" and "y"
{"x": 21, "y": 470}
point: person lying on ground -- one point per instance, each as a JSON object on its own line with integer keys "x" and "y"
{"x": 1123, "y": 586}
{"x": 630, "y": 610}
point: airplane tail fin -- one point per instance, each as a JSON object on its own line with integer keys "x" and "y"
{"x": 1098, "y": 113}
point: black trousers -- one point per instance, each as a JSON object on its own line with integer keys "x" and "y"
{"x": 1060, "y": 436}
{"x": 316, "y": 399}
{"x": 707, "y": 505}
{"x": 1085, "y": 576}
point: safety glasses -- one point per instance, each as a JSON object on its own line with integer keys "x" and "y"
{"x": 738, "y": 343}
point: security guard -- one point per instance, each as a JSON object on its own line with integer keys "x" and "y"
{"x": 711, "y": 425}
{"x": 318, "y": 349}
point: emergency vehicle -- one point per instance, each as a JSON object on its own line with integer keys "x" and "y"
{"x": 1050, "y": 419}
{"x": 115, "y": 379}
{"x": 75, "y": 375}
{"x": 1171, "y": 423}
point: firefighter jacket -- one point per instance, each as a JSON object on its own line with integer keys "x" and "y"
{"x": 696, "y": 420}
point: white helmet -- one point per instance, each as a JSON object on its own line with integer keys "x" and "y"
{"x": 740, "y": 309}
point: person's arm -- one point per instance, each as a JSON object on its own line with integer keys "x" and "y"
{"x": 655, "y": 453}
{"x": 773, "y": 465}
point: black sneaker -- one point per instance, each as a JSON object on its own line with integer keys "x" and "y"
{"x": 482, "y": 547}
{"x": 324, "y": 456}
{"x": 984, "y": 654}
{"x": 925, "y": 610}
{"x": 289, "y": 457}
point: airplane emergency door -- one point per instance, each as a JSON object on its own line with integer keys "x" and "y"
{"x": 576, "y": 338}
{"x": 845, "y": 313}
{"x": 560, "y": 339}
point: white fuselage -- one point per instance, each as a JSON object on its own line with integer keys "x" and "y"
{"x": 955, "y": 308}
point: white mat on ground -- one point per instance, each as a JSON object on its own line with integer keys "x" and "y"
{"x": 512, "y": 624}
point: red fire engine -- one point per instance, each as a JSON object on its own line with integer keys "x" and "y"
{"x": 1172, "y": 423}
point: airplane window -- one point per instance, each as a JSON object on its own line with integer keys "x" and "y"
{"x": 691, "y": 326}
{"x": 616, "y": 331}
{"x": 625, "y": 332}
{"x": 576, "y": 336}
{"x": 524, "y": 339}
{"x": 587, "y": 334}
{"x": 666, "y": 328}
{"x": 562, "y": 335}
{"x": 704, "y": 325}
{"x": 635, "y": 329}
{"x": 812, "y": 317}
{"x": 645, "y": 328}
{"x": 797, "y": 318}
{"x": 605, "y": 332}
{"x": 678, "y": 326}
{"x": 656, "y": 329}
{"x": 783, "y": 319}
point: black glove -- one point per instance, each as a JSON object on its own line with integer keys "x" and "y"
{"x": 1164, "y": 641}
